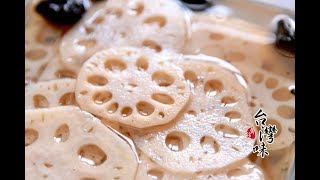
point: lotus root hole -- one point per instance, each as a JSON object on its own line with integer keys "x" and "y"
{"x": 123, "y": 34}
{"x": 233, "y": 116}
{"x": 236, "y": 56}
{"x": 31, "y": 135}
{"x": 88, "y": 43}
{"x": 115, "y": 11}
{"x": 268, "y": 65}
{"x": 192, "y": 113}
{"x": 65, "y": 73}
{"x": 286, "y": 112}
{"x": 228, "y": 100}
{"x": 115, "y": 64}
{"x": 177, "y": 141}
{"x": 142, "y": 63}
{"x": 112, "y": 108}
{"x": 102, "y": 97}
{"x": 257, "y": 77}
{"x": 144, "y": 108}
{"x": 282, "y": 94}
{"x": 138, "y": 8}
{"x": 62, "y": 133}
{"x": 158, "y": 19}
{"x": 152, "y": 44}
{"x": 216, "y": 36}
{"x": 67, "y": 99}
{"x": 97, "y": 80}
{"x": 271, "y": 83}
{"x": 88, "y": 178}
{"x": 41, "y": 69}
{"x": 84, "y": 92}
{"x": 133, "y": 85}
{"x": 191, "y": 77}
{"x": 237, "y": 172}
{"x": 92, "y": 155}
{"x": 47, "y": 165}
{"x": 119, "y": 167}
{"x": 161, "y": 114}
{"x": 126, "y": 111}
{"x": 162, "y": 78}
{"x": 162, "y": 98}
{"x": 156, "y": 174}
{"x": 98, "y": 20}
{"x": 252, "y": 103}
{"x": 35, "y": 54}
{"x": 39, "y": 101}
{"x": 43, "y": 37}
{"x": 209, "y": 145}
{"x": 211, "y": 87}
{"x": 227, "y": 131}
{"x": 88, "y": 29}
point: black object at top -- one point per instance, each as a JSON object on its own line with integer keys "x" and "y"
{"x": 197, "y": 5}
{"x": 285, "y": 34}
{"x": 63, "y": 12}
{"x": 195, "y": 1}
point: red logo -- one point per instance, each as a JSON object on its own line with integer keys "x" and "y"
{"x": 250, "y": 133}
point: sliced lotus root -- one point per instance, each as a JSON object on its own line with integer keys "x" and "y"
{"x": 157, "y": 24}
{"x": 132, "y": 86}
{"x": 211, "y": 132}
{"x": 67, "y": 143}
{"x": 50, "y": 93}
{"x": 148, "y": 169}
{"x": 269, "y": 74}
{"x": 271, "y": 93}
{"x": 232, "y": 39}
{"x": 41, "y": 43}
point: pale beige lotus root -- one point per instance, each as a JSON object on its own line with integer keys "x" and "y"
{"x": 271, "y": 93}
{"x": 269, "y": 74}
{"x": 149, "y": 170}
{"x": 157, "y": 24}
{"x": 132, "y": 86}
{"x": 211, "y": 132}
{"x": 67, "y": 143}
{"x": 52, "y": 93}
{"x": 41, "y": 43}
